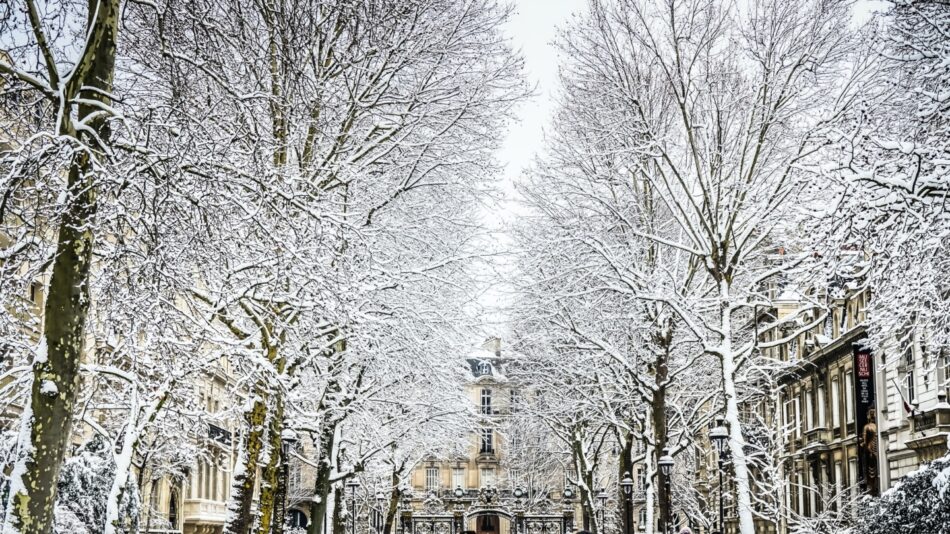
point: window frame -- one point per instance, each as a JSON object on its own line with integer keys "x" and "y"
{"x": 486, "y": 401}
{"x": 433, "y": 481}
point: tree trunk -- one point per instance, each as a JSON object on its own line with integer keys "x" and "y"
{"x": 733, "y": 424}
{"x": 394, "y": 495}
{"x": 339, "y": 520}
{"x": 280, "y": 498}
{"x": 322, "y": 485}
{"x": 268, "y": 506}
{"x": 242, "y": 492}
{"x": 47, "y": 418}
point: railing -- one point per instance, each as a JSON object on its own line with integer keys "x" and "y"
{"x": 925, "y": 421}
{"x": 204, "y": 510}
{"x": 219, "y": 434}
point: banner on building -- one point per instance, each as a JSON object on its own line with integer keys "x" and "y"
{"x": 866, "y": 420}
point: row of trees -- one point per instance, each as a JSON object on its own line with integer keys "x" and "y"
{"x": 287, "y": 190}
{"x": 706, "y": 156}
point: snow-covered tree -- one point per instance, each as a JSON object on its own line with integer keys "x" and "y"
{"x": 884, "y": 191}
{"x": 920, "y": 502}
{"x": 701, "y": 113}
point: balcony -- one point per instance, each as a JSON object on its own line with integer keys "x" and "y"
{"x": 929, "y": 428}
{"x": 816, "y": 437}
{"x": 204, "y": 511}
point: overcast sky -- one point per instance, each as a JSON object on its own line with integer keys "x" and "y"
{"x": 532, "y": 29}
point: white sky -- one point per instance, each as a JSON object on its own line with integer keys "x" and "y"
{"x": 532, "y": 29}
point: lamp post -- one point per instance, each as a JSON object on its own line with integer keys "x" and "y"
{"x": 567, "y": 495}
{"x": 602, "y": 497}
{"x": 288, "y": 439}
{"x": 666, "y": 466}
{"x": 626, "y": 484}
{"x": 380, "y": 498}
{"x": 459, "y": 493}
{"x": 719, "y": 437}
{"x": 352, "y": 486}
{"x": 518, "y": 493}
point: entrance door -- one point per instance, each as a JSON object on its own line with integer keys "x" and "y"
{"x": 488, "y": 524}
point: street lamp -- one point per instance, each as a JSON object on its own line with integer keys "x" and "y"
{"x": 602, "y": 497}
{"x": 627, "y": 486}
{"x": 352, "y": 486}
{"x": 288, "y": 439}
{"x": 719, "y": 437}
{"x": 666, "y": 467}
{"x": 459, "y": 493}
{"x": 380, "y": 498}
{"x": 519, "y": 493}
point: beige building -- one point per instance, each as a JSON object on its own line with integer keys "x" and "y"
{"x": 484, "y": 489}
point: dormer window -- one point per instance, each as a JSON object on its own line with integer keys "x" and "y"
{"x": 484, "y": 368}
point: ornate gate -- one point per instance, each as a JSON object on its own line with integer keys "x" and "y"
{"x": 438, "y": 517}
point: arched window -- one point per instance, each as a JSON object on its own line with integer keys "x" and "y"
{"x": 296, "y": 519}
{"x": 173, "y": 509}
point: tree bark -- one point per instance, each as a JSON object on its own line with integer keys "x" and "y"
{"x": 242, "y": 492}
{"x": 49, "y": 414}
{"x": 339, "y": 520}
{"x": 322, "y": 485}
{"x": 394, "y": 495}
{"x": 268, "y": 506}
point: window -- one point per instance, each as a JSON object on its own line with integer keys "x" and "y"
{"x": 35, "y": 292}
{"x": 173, "y": 509}
{"x": 849, "y": 396}
{"x": 297, "y": 519}
{"x": 946, "y": 371}
{"x": 835, "y": 403}
{"x": 909, "y": 386}
{"x": 798, "y": 416}
{"x": 812, "y": 494}
{"x": 486, "y": 401}
{"x": 853, "y": 477}
{"x": 484, "y": 368}
{"x": 799, "y": 493}
{"x": 838, "y": 477}
{"x": 642, "y": 521}
{"x": 821, "y": 406}
{"x": 458, "y": 478}
{"x": 514, "y": 402}
{"x": 809, "y": 409}
{"x": 488, "y": 476}
{"x": 641, "y": 478}
{"x": 432, "y": 479}
{"x": 487, "y": 446}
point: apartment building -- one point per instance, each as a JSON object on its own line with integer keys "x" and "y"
{"x": 854, "y": 418}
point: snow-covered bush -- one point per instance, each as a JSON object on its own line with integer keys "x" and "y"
{"x": 920, "y": 504}
{"x": 83, "y": 488}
